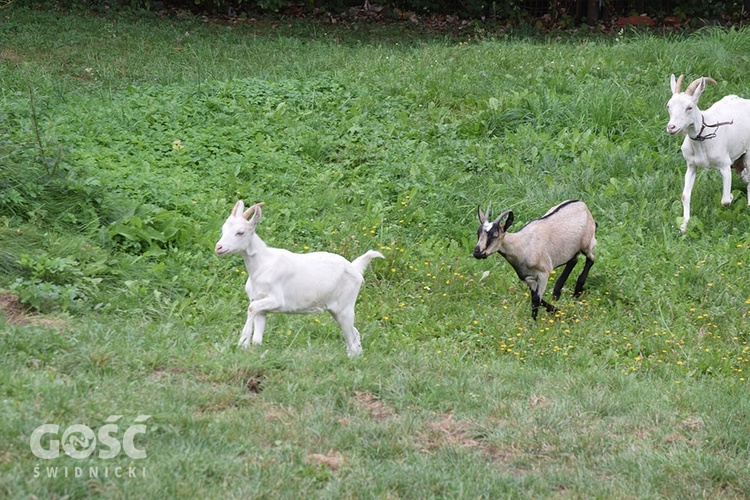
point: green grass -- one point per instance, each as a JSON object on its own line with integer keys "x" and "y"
{"x": 121, "y": 158}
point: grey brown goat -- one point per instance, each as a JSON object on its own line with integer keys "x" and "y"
{"x": 556, "y": 238}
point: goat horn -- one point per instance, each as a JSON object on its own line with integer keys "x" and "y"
{"x": 691, "y": 88}
{"x": 250, "y": 210}
{"x": 483, "y": 216}
{"x": 679, "y": 84}
{"x": 501, "y": 216}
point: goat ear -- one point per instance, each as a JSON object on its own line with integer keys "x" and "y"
{"x": 699, "y": 89}
{"x": 702, "y": 86}
{"x": 238, "y": 208}
{"x": 696, "y": 88}
{"x": 508, "y": 221}
{"x": 256, "y": 215}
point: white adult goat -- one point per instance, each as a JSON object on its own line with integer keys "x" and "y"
{"x": 285, "y": 282}
{"x": 716, "y": 138}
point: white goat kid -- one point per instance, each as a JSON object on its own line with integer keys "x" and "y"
{"x": 717, "y": 138}
{"x": 280, "y": 281}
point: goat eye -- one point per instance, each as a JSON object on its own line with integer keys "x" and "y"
{"x": 239, "y": 233}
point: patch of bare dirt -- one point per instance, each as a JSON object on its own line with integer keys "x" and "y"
{"x": 16, "y": 314}
{"x": 692, "y": 424}
{"x": 445, "y": 431}
{"x": 281, "y": 413}
{"x": 373, "y": 405}
{"x": 537, "y": 401}
{"x": 9, "y": 55}
{"x": 12, "y": 308}
{"x": 331, "y": 461}
{"x": 448, "y": 432}
{"x": 251, "y": 379}
{"x": 162, "y": 370}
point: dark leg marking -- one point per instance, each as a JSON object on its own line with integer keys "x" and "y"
{"x": 583, "y": 276}
{"x": 535, "y": 300}
{"x": 550, "y": 308}
{"x": 564, "y": 276}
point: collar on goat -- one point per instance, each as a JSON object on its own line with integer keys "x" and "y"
{"x": 700, "y": 137}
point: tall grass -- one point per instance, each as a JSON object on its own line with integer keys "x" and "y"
{"x": 386, "y": 140}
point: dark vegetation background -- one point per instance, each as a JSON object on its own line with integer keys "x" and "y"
{"x": 557, "y": 13}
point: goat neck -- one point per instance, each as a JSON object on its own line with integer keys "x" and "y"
{"x": 511, "y": 248}
{"x": 253, "y": 256}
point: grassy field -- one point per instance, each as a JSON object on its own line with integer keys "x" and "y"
{"x": 124, "y": 142}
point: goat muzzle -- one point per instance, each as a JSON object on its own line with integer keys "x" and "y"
{"x": 479, "y": 254}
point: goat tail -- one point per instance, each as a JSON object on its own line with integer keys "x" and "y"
{"x": 361, "y": 262}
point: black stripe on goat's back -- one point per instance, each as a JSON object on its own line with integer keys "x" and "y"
{"x": 557, "y": 209}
